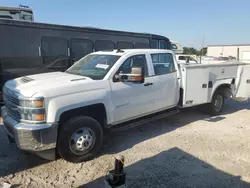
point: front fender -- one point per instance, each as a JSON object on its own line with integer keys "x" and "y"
{"x": 57, "y": 105}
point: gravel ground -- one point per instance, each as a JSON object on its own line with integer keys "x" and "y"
{"x": 185, "y": 150}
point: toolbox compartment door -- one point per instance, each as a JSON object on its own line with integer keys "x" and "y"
{"x": 242, "y": 83}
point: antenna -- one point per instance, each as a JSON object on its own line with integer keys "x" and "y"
{"x": 202, "y": 48}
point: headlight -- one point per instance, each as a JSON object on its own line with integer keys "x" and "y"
{"x": 32, "y": 110}
{"x": 31, "y": 103}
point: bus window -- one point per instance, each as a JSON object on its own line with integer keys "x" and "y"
{"x": 125, "y": 45}
{"x": 104, "y": 45}
{"x": 80, "y": 48}
{"x": 141, "y": 45}
{"x": 154, "y": 44}
{"x": 55, "y": 52}
{"x": 163, "y": 44}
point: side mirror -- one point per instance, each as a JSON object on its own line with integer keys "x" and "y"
{"x": 187, "y": 60}
{"x": 136, "y": 76}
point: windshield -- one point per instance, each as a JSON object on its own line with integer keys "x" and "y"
{"x": 94, "y": 66}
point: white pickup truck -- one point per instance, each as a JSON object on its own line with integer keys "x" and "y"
{"x": 65, "y": 113}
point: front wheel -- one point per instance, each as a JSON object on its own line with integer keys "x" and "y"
{"x": 79, "y": 139}
{"x": 215, "y": 107}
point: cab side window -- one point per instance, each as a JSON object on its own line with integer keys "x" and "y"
{"x": 134, "y": 61}
{"x": 163, "y": 63}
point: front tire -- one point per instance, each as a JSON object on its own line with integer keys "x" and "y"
{"x": 215, "y": 107}
{"x": 79, "y": 139}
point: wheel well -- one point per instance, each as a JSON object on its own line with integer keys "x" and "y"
{"x": 225, "y": 90}
{"x": 96, "y": 111}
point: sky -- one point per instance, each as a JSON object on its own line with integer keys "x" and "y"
{"x": 185, "y": 21}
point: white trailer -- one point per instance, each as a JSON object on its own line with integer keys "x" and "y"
{"x": 65, "y": 113}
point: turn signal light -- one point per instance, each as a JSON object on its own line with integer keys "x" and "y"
{"x": 38, "y": 117}
{"x": 38, "y": 103}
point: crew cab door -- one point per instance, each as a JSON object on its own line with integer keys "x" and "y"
{"x": 131, "y": 100}
{"x": 242, "y": 83}
{"x": 165, "y": 80}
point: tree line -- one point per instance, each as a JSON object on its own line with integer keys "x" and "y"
{"x": 193, "y": 51}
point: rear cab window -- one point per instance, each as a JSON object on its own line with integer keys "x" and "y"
{"x": 163, "y": 63}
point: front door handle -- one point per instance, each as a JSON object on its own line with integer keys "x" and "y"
{"x": 148, "y": 84}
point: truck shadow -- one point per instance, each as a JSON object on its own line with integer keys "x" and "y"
{"x": 174, "y": 168}
{"x": 115, "y": 142}
{"x": 232, "y": 106}
{"x": 12, "y": 160}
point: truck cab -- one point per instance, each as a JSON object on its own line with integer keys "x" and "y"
{"x": 104, "y": 89}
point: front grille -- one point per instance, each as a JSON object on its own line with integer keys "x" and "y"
{"x": 14, "y": 113}
{"x": 11, "y": 102}
{"x": 11, "y": 99}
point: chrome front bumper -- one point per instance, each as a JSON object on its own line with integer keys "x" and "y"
{"x": 30, "y": 137}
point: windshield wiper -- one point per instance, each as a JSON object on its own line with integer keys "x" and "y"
{"x": 76, "y": 74}
{"x": 73, "y": 73}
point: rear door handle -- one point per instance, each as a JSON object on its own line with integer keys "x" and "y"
{"x": 148, "y": 84}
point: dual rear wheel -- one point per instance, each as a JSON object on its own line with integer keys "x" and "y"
{"x": 216, "y": 106}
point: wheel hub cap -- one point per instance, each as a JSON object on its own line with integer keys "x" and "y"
{"x": 82, "y": 141}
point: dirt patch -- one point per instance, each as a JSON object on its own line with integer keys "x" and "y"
{"x": 185, "y": 150}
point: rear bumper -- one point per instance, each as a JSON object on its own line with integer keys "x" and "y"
{"x": 30, "y": 137}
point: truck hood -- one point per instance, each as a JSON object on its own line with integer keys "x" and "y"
{"x": 27, "y": 86}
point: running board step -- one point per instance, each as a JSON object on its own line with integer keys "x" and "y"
{"x": 143, "y": 120}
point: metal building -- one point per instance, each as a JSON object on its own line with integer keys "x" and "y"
{"x": 239, "y": 51}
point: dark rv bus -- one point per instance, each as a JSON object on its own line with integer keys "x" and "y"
{"x": 29, "y": 48}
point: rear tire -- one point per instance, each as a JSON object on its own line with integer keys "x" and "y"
{"x": 216, "y": 106}
{"x": 79, "y": 139}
